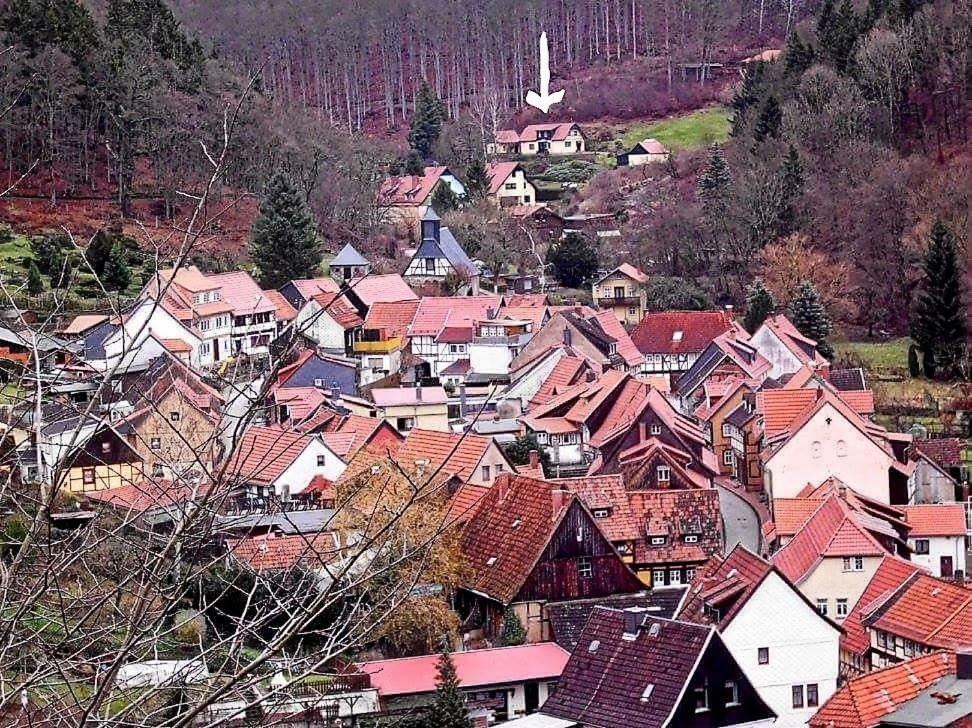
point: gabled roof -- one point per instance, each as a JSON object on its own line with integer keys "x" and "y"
{"x": 269, "y": 552}
{"x": 498, "y": 173}
{"x": 606, "y": 492}
{"x": 348, "y": 255}
{"x": 386, "y": 287}
{"x": 560, "y": 130}
{"x": 263, "y": 454}
{"x": 568, "y": 371}
{"x": 679, "y": 332}
{"x": 945, "y": 452}
{"x": 625, "y": 346}
{"x": 287, "y": 372}
{"x": 676, "y": 514}
{"x": 435, "y": 312}
{"x": 936, "y": 519}
{"x": 310, "y": 287}
{"x": 629, "y": 669}
{"x": 568, "y": 619}
{"x": 891, "y": 573}
{"x": 625, "y": 269}
{"x": 865, "y": 700}
{"x": 393, "y": 317}
{"x": 410, "y": 190}
{"x": 474, "y": 668}
{"x": 649, "y": 146}
{"x": 285, "y": 312}
{"x": 441, "y": 455}
{"x": 449, "y": 248}
{"x": 337, "y": 308}
{"x": 148, "y": 495}
{"x": 832, "y": 531}
{"x": 803, "y": 348}
{"x": 242, "y": 292}
{"x": 780, "y": 408}
{"x": 364, "y": 430}
{"x": 931, "y": 611}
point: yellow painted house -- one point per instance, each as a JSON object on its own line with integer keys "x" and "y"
{"x": 623, "y": 290}
{"x": 508, "y": 184}
{"x": 105, "y": 460}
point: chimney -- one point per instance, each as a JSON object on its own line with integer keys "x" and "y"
{"x": 502, "y": 485}
{"x": 567, "y": 335}
{"x": 490, "y": 313}
{"x": 462, "y": 399}
{"x": 642, "y": 432}
{"x": 963, "y": 664}
{"x": 634, "y": 617}
{"x": 534, "y": 459}
{"x": 559, "y": 499}
{"x": 418, "y": 393}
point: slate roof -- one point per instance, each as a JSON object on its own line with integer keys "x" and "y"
{"x": 348, "y": 255}
{"x": 936, "y": 519}
{"x": 449, "y": 248}
{"x": 891, "y": 573}
{"x": 931, "y": 611}
{"x": 655, "y": 333}
{"x": 832, "y": 531}
{"x": 945, "y": 452}
{"x": 605, "y": 679}
{"x": 865, "y": 700}
{"x": 568, "y": 619}
{"x": 847, "y": 379}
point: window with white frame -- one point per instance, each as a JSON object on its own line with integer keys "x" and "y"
{"x": 853, "y": 563}
{"x": 664, "y": 473}
{"x": 731, "y": 695}
{"x": 728, "y": 458}
{"x": 841, "y": 610}
{"x": 921, "y": 545}
{"x": 726, "y": 429}
{"x": 155, "y": 443}
{"x": 656, "y": 429}
{"x": 822, "y": 606}
{"x": 658, "y": 577}
{"x": 701, "y": 697}
{"x": 585, "y": 567}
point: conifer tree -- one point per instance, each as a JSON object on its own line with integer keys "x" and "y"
{"x": 284, "y": 243}
{"x": 117, "y": 276}
{"x": 747, "y": 95}
{"x": 574, "y": 260}
{"x": 477, "y": 180}
{"x": 448, "y": 709}
{"x": 426, "y": 122}
{"x": 791, "y": 187}
{"x": 837, "y": 33}
{"x": 35, "y": 284}
{"x": 98, "y": 251}
{"x": 714, "y": 184}
{"x": 444, "y": 199}
{"x": 810, "y": 317}
{"x": 513, "y": 632}
{"x": 938, "y": 324}
{"x": 759, "y": 305}
{"x": 770, "y": 119}
{"x": 414, "y": 164}
{"x": 799, "y": 56}
{"x": 914, "y": 368}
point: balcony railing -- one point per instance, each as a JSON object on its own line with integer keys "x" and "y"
{"x": 618, "y": 301}
{"x": 378, "y": 347}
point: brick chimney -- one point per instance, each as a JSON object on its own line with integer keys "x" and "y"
{"x": 534, "y": 459}
{"x": 567, "y": 335}
{"x": 559, "y": 499}
{"x": 502, "y": 485}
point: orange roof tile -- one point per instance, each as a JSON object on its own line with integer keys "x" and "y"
{"x": 149, "y": 494}
{"x": 891, "y": 573}
{"x": 937, "y": 519}
{"x": 435, "y": 312}
{"x": 392, "y": 317}
{"x": 657, "y": 333}
{"x": 339, "y": 308}
{"x": 527, "y": 300}
{"x": 864, "y": 700}
{"x": 498, "y": 172}
{"x": 934, "y": 612}
{"x": 410, "y": 190}
{"x": 605, "y": 492}
{"x": 567, "y": 372}
{"x": 263, "y": 454}
{"x": 310, "y": 287}
{"x": 270, "y": 552}
{"x": 742, "y": 569}
{"x": 383, "y": 288}
{"x": 442, "y": 454}
{"x": 285, "y": 312}
{"x": 625, "y": 346}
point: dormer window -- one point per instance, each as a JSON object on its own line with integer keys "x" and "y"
{"x": 658, "y": 540}
{"x": 691, "y": 538}
{"x": 601, "y": 512}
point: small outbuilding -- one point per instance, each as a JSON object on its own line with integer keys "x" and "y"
{"x": 646, "y": 151}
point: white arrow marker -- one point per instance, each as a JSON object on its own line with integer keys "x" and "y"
{"x": 544, "y": 100}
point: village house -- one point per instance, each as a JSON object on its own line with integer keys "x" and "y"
{"x": 300, "y": 291}
{"x": 940, "y": 474}
{"x": 647, "y": 151}
{"x": 547, "y": 376}
{"x": 785, "y": 646}
{"x": 461, "y": 459}
{"x": 833, "y": 558}
{"x": 529, "y": 542}
{"x": 504, "y": 682}
{"x": 331, "y": 321}
{"x": 623, "y": 291}
{"x": 254, "y": 323}
{"x": 555, "y": 139}
{"x": 439, "y": 257}
{"x": 509, "y": 185}
{"x": 363, "y": 293}
{"x": 938, "y": 538}
{"x": 728, "y": 356}
{"x": 348, "y": 264}
{"x": 496, "y": 342}
{"x": 931, "y": 690}
{"x": 404, "y": 199}
{"x": 568, "y": 619}
{"x": 334, "y": 374}
{"x": 786, "y": 348}
{"x": 285, "y": 312}
{"x": 383, "y": 340}
{"x": 88, "y": 454}
{"x": 633, "y": 670}
{"x": 441, "y": 330}
{"x": 720, "y": 412}
{"x": 541, "y": 218}
{"x": 663, "y": 535}
{"x": 406, "y": 408}
{"x": 671, "y": 341}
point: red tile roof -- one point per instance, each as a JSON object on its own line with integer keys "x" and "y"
{"x": 147, "y": 495}
{"x": 339, "y": 309}
{"x": 394, "y": 318}
{"x": 782, "y": 408}
{"x": 384, "y": 288}
{"x": 242, "y": 292}
{"x": 865, "y": 700}
{"x": 937, "y": 519}
{"x": 410, "y": 190}
{"x": 270, "y": 552}
{"x": 676, "y": 514}
{"x": 474, "y": 668}
{"x": 310, "y": 287}
{"x": 625, "y": 346}
{"x": 832, "y": 531}
{"x": 568, "y": 371}
{"x": 366, "y": 430}
{"x": 945, "y": 452}
{"x": 628, "y": 270}
{"x": 465, "y": 502}
{"x": 606, "y": 492}
{"x": 320, "y": 486}
{"x": 931, "y": 611}
{"x": 655, "y": 334}
{"x": 263, "y": 454}
{"x": 285, "y": 312}
{"x": 560, "y": 130}
{"x": 803, "y": 348}
{"x": 442, "y": 455}
{"x": 527, "y": 300}
{"x": 436, "y": 312}
{"x": 724, "y": 583}
{"x": 498, "y": 172}
{"x": 891, "y": 573}
{"x": 300, "y": 401}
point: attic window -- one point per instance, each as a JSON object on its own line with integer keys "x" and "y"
{"x": 490, "y": 561}
{"x": 592, "y": 647}
{"x": 657, "y": 540}
{"x": 691, "y": 538}
{"x": 516, "y": 523}
{"x": 677, "y": 336}
{"x": 664, "y": 473}
{"x": 647, "y": 693}
{"x": 106, "y": 447}
{"x": 601, "y": 512}
{"x": 318, "y": 382}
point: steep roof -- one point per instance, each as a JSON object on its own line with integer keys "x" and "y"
{"x": 242, "y": 292}
{"x": 263, "y": 454}
{"x": 568, "y": 619}
{"x": 618, "y": 656}
{"x": 435, "y": 312}
{"x": 781, "y": 408}
{"x": 310, "y": 287}
{"x": 386, "y": 287}
{"x": 945, "y": 452}
{"x": 625, "y": 346}
{"x": 474, "y": 668}
{"x": 626, "y": 269}
{"x": 605, "y": 492}
{"x": 928, "y": 610}
{"x": 393, "y": 317}
{"x": 724, "y": 583}
{"x": 498, "y": 172}
{"x": 270, "y": 552}
{"x": 864, "y": 700}
{"x": 348, "y": 255}
{"x": 442, "y": 455}
{"x": 410, "y": 190}
{"x": 336, "y": 307}
{"x": 449, "y": 248}
{"x": 936, "y": 519}
{"x": 832, "y": 531}
{"x": 679, "y": 332}
{"x": 676, "y": 514}
{"x": 891, "y": 573}
{"x": 568, "y": 371}
{"x": 803, "y": 348}
{"x": 285, "y": 312}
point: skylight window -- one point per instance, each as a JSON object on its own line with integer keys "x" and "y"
{"x": 490, "y": 561}
{"x": 647, "y": 693}
{"x": 592, "y": 647}
{"x": 677, "y": 335}
{"x": 516, "y": 523}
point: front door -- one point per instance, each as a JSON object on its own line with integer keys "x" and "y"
{"x": 945, "y": 562}
{"x": 531, "y": 696}
{"x": 215, "y": 349}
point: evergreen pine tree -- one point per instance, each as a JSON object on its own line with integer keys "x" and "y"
{"x": 914, "y": 368}
{"x": 810, "y": 317}
{"x": 770, "y": 119}
{"x": 35, "y": 284}
{"x": 116, "y": 275}
{"x": 837, "y": 33}
{"x": 284, "y": 242}
{"x": 477, "y": 180}
{"x": 426, "y": 122}
{"x": 938, "y": 323}
{"x": 714, "y": 184}
{"x": 513, "y": 632}
{"x": 448, "y": 709}
{"x": 747, "y": 95}
{"x": 414, "y": 164}
{"x": 791, "y": 187}
{"x": 799, "y": 56}
{"x": 928, "y": 363}
{"x": 574, "y": 260}
{"x": 98, "y": 251}
{"x": 444, "y": 199}
{"x": 759, "y": 305}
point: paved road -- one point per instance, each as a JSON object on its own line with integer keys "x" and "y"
{"x": 739, "y": 520}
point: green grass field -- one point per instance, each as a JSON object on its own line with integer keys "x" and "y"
{"x": 690, "y": 131}
{"x": 877, "y": 356}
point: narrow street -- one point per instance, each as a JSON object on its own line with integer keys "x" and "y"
{"x": 740, "y": 522}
